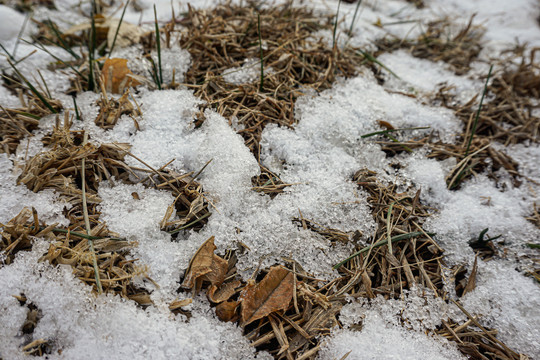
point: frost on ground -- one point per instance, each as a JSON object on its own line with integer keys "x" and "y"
{"x": 317, "y": 158}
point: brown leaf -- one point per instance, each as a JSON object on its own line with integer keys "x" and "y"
{"x": 273, "y": 293}
{"x": 226, "y": 311}
{"x": 471, "y": 283}
{"x": 224, "y": 292}
{"x": 367, "y": 284}
{"x": 201, "y": 263}
{"x": 218, "y": 270}
{"x": 177, "y": 304}
{"x": 115, "y": 74}
{"x": 385, "y": 124}
{"x": 206, "y": 266}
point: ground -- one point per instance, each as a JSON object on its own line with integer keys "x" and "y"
{"x": 300, "y": 180}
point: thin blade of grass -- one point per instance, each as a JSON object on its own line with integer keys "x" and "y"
{"x": 77, "y": 114}
{"x": 91, "y": 49}
{"x": 376, "y": 61}
{"x": 335, "y": 26}
{"x": 389, "y": 226}
{"x": 354, "y": 16}
{"x": 43, "y": 48}
{"x": 86, "y": 219}
{"x": 33, "y": 89}
{"x": 21, "y": 32}
{"x": 158, "y": 44}
{"x": 7, "y": 53}
{"x": 118, "y": 28}
{"x": 381, "y": 243}
{"x": 61, "y": 43}
{"x": 261, "y": 52}
{"x": 475, "y": 123}
{"x": 190, "y": 224}
{"x": 384, "y": 132}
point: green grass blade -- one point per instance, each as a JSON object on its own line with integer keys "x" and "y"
{"x": 61, "y": 43}
{"x": 373, "y": 59}
{"x": 158, "y": 44}
{"x": 77, "y": 114}
{"x": 7, "y": 53}
{"x": 335, "y": 26}
{"x": 354, "y": 16}
{"x": 91, "y": 50}
{"x": 381, "y": 243}
{"x": 118, "y": 28}
{"x": 33, "y": 89}
{"x": 385, "y": 132}
{"x": 261, "y": 52}
{"x": 475, "y": 123}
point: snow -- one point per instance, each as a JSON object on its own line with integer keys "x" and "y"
{"x": 245, "y": 74}
{"x": 83, "y": 326}
{"x": 424, "y": 76}
{"x": 13, "y": 198}
{"x": 11, "y": 23}
{"x": 318, "y": 158}
{"x": 381, "y": 335}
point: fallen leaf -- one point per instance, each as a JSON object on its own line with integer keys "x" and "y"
{"x": 116, "y": 75}
{"x": 218, "y": 271}
{"x": 217, "y": 295}
{"x": 273, "y": 293}
{"x": 385, "y": 124}
{"x": 128, "y": 34}
{"x": 177, "y": 304}
{"x": 206, "y": 266}
{"x": 471, "y": 283}
{"x": 200, "y": 263}
{"x": 226, "y": 311}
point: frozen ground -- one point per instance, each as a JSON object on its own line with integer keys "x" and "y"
{"x": 321, "y": 153}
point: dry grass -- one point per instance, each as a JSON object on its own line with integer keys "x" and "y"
{"x": 222, "y": 38}
{"x": 71, "y": 248}
{"x": 384, "y": 268}
{"x": 440, "y": 41}
{"x": 400, "y": 255}
{"x": 509, "y": 114}
{"x": 18, "y": 123}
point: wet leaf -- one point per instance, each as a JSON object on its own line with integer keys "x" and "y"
{"x": 273, "y": 293}
{"x": 116, "y": 75}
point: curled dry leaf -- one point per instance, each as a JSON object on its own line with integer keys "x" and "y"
{"x": 205, "y": 265}
{"x": 226, "y": 311}
{"x": 471, "y": 283}
{"x": 116, "y": 75}
{"x": 224, "y": 292}
{"x": 128, "y": 34}
{"x": 273, "y": 293}
{"x": 177, "y": 304}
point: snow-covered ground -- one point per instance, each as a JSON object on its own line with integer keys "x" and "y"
{"x": 322, "y": 152}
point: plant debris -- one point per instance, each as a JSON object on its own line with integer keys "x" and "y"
{"x": 440, "y": 41}
{"x": 222, "y": 39}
